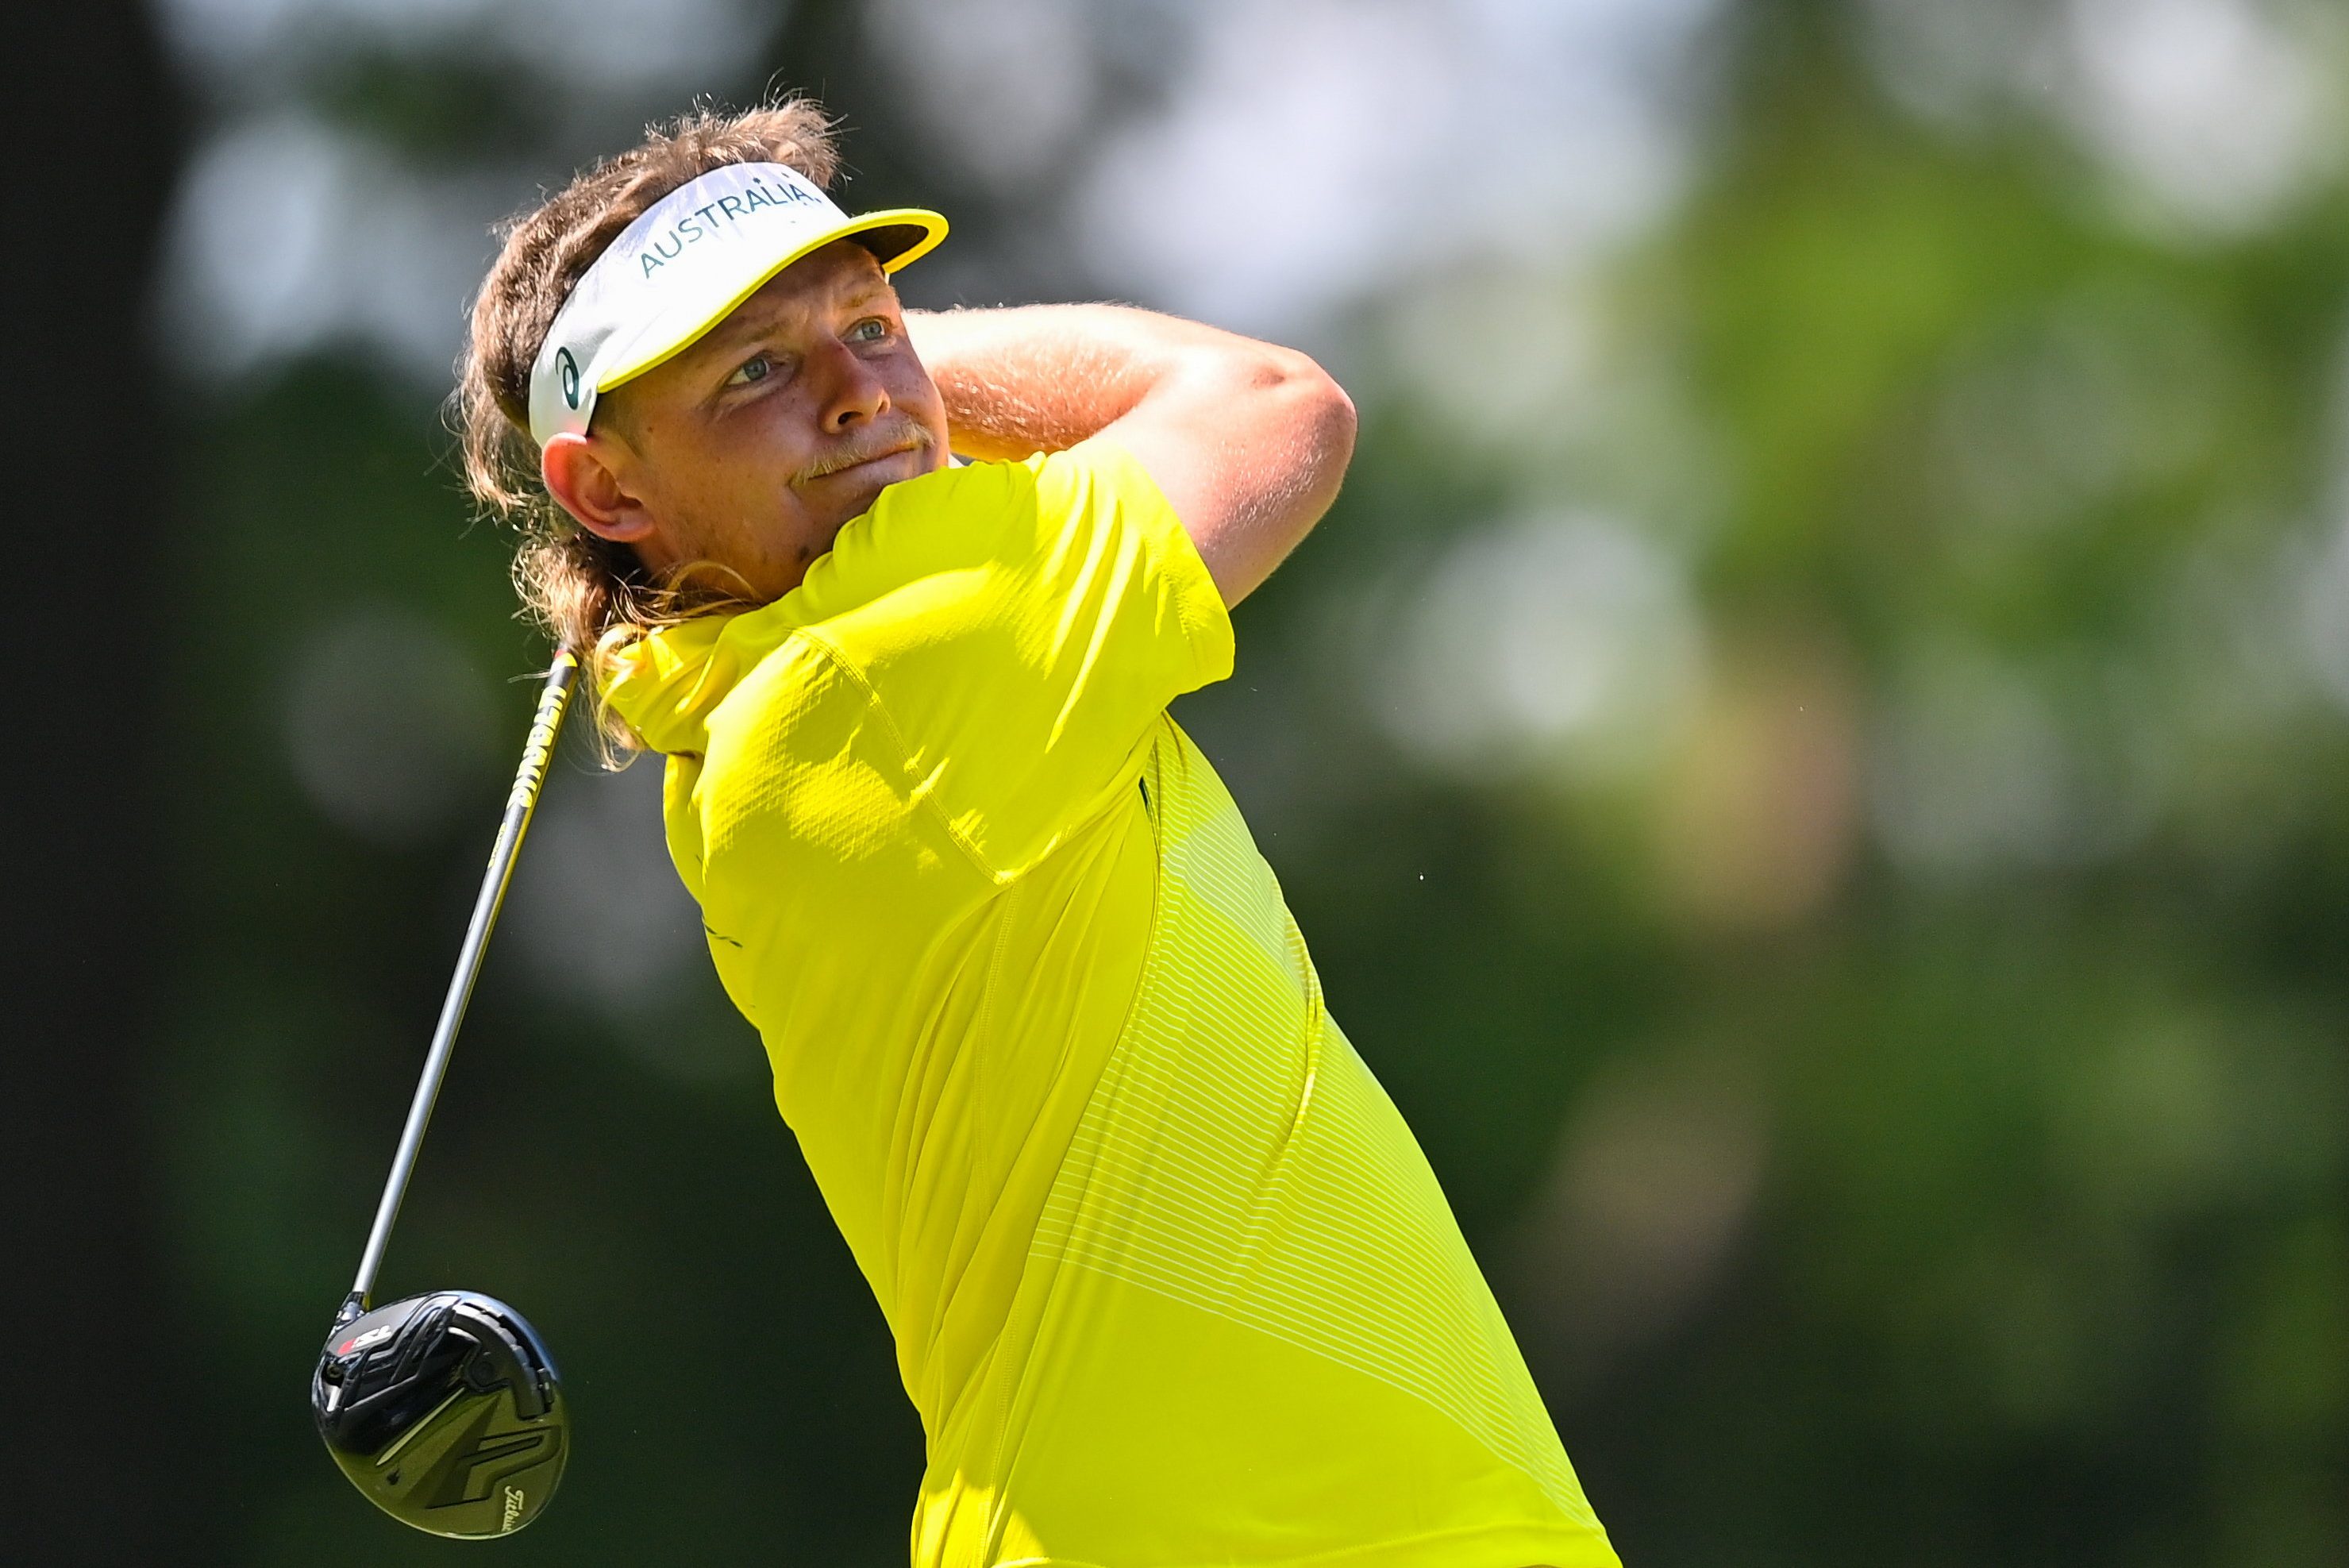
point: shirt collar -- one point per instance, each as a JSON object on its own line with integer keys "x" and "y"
{"x": 666, "y": 683}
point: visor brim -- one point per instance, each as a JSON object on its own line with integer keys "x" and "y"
{"x": 896, "y": 236}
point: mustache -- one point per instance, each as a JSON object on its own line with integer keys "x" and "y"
{"x": 899, "y": 437}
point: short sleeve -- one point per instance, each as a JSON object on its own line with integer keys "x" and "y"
{"x": 1021, "y": 627}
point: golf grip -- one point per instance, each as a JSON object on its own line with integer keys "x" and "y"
{"x": 519, "y": 804}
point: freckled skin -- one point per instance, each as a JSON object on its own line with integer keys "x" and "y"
{"x": 736, "y": 462}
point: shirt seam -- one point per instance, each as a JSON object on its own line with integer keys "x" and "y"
{"x": 1008, "y": 1392}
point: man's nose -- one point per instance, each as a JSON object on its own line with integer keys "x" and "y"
{"x": 855, "y": 394}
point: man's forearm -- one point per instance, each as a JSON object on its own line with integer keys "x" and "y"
{"x": 1042, "y": 378}
{"x": 1248, "y": 440}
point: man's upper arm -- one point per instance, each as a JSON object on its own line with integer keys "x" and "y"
{"x": 1249, "y": 442}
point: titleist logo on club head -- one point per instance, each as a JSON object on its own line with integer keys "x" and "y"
{"x": 709, "y": 220}
{"x": 513, "y": 1508}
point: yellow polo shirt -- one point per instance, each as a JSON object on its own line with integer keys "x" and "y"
{"x": 1170, "y": 1283}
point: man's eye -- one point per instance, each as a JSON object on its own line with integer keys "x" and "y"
{"x": 757, "y": 367}
{"x": 872, "y": 329}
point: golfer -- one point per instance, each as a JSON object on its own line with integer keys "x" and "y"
{"x": 1170, "y": 1282}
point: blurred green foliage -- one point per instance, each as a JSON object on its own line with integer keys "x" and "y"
{"x": 1897, "y": 1085}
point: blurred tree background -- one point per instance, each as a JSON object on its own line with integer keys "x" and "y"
{"x": 1809, "y": 751}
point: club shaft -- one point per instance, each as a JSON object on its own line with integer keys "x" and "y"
{"x": 523, "y": 800}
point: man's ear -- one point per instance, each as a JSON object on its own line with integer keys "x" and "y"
{"x": 579, "y": 474}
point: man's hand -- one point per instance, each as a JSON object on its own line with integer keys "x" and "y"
{"x": 1247, "y": 439}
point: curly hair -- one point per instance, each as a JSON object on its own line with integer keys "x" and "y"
{"x": 587, "y": 591}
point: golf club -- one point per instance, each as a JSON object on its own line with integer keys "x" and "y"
{"x": 444, "y": 1408}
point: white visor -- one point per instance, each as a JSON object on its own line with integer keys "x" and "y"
{"x": 683, "y": 266}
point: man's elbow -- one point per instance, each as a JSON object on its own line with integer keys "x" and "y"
{"x": 1333, "y": 424}
{"x": 1314, "y": 408}
{"x": 1270, "y": 434}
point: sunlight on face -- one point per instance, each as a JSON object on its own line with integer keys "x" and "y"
{"x": 751, "y": 450}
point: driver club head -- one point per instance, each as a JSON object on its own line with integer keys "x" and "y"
{"x": 445, "y": 1409}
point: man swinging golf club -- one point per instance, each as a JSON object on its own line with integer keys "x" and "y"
{"x": 1170, "y": 1282}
